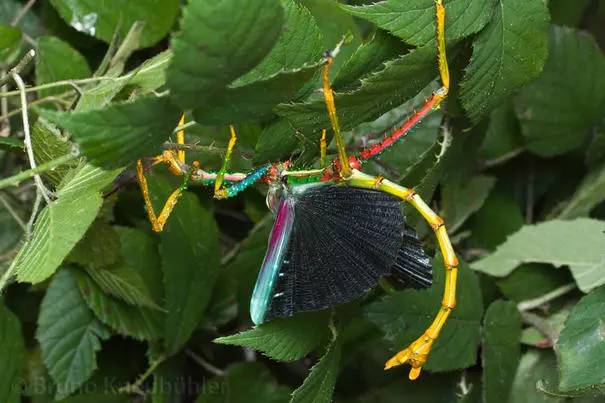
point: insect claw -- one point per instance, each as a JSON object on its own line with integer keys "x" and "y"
{"x": 416, "y": 354}
{"x": 414, "y": 373}
{"x": 398, "y": 359}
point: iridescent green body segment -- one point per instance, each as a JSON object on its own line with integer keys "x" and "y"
{"x": 278, "y": 241}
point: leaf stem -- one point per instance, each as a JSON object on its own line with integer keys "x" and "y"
{"x": 135, "y": 388}
{"x": 541, "y": 324}
{"x": 17, "y": 69}
{"x": 543, "y": 299}
{"x": 47, "y": 166}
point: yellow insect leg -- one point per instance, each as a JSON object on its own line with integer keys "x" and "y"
{"x": 345, "y": 169}
{"x": 219, "y": 190}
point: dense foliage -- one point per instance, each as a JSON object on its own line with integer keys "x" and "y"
{"x": 97, "y": 308}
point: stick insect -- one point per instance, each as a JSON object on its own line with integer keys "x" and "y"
{"x": 337, "y": 230}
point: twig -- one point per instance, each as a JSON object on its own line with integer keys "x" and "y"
{"x": 32, "y": 218}
{"x": 499, "y": 160}
{"x": 185, "y": 126}
{"x": 135, "y": 388}
{"x": 62, "y": 83}
{"x": 28, "y": 143}
{"x": 58, "y": 99}
{"x": 17, "y": 69}
{"x": 47, "y": 166}
{"x": 22, "y": 12}
{"x": 205, "y": 364}
{"x": 13, "y": 213}
{"x": 543, "y": 299}
{"x": 541, "y": 324}
{"x": 5, "y": 124}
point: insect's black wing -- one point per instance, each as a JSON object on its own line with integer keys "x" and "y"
{"x": 343, "y": 240}
{"x": 412, "y": 268}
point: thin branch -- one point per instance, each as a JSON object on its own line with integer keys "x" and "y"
{"x": 22, "y": 12}
{"x": 205, "y": 364}
{"x": 541, "y": 324}
{"x": 62, "y": 83}
{"x": 13, "y": 213}
{"x": 28, "y": 142}
{"x": 47, "y": 166}
{"x": 502, "y": 159}
{"x": 185, "y": 126}
{"x": 32, "y": 218}
{"x": 543, "y": 299}
{"x": 135, "y": 388}
{"x": 57, "y": 99}
{"x": 5, "y": 124}
{"x": 17, "y": 69}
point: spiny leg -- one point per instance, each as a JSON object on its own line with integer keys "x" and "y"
{"x": 430, "y": 104}
{"x": 174, "y": 160}
{"x": 417, "y": 352}
{"x": 180, "y": 139}
{"x": 220, "y": 191}
{"x": 158, "y": 222}
{"x": 345, "y": 169}
{"x": 322, "y": 149}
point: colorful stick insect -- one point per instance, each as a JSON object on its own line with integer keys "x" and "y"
{"x": 337, "y": 230}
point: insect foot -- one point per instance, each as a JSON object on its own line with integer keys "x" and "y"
{"x": 415, "y": 354}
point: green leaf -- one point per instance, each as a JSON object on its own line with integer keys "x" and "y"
{"x": 48, "y": 144}
{"x": 500, "y": 350}
{"x": 102, "y": 19}
{"x": 460, "y": 201}
{"x": 244, "y": 267}
{"x": 318, "y": 387}
{"x": 299, "y": 44}
{"x": 12, "y": 351}
{"x": 286, "y": 339}
{"x": 580, "y": 347}
{"x": 125, "y": 283}
{"x": 403, "y": 316}
{"x": 140, "y": 251}
{"x": 218, "y": 42}
{"x": 499, "y": 217}
{"x": 507, "y": 54}
{"x": 374, "y": 97}
{"x": 10, "y": 37}
{"x": 98, "y": 248}
{"x": 335, "y": 24}
{"x": 413, "y": 71}
{"x": 62, "y": 224}
{"x": 190, "y": 257}
{"x": 56, "y": 61}
{"x": 249, "y": 382}
{"x": 121, "y": 133}
{"x": 589, "y": 194}
{"x": 577, "y": 244}
{"x": 254, "y": 101}
{"x": 532, "y": 280}
{"x": 11, "y": 231}
{"x": 69, "y": 334}
{"x": 414, "y": 21}
{"x": 135, "y": 321}
{"x": 11, "y": 144}
{"x": 151, "y": 74}
{"x": 503, "y": 137}
{"x": 367, "y": 58}
{"x": 577, "y": 107}
{"x": 536, "y": 366}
